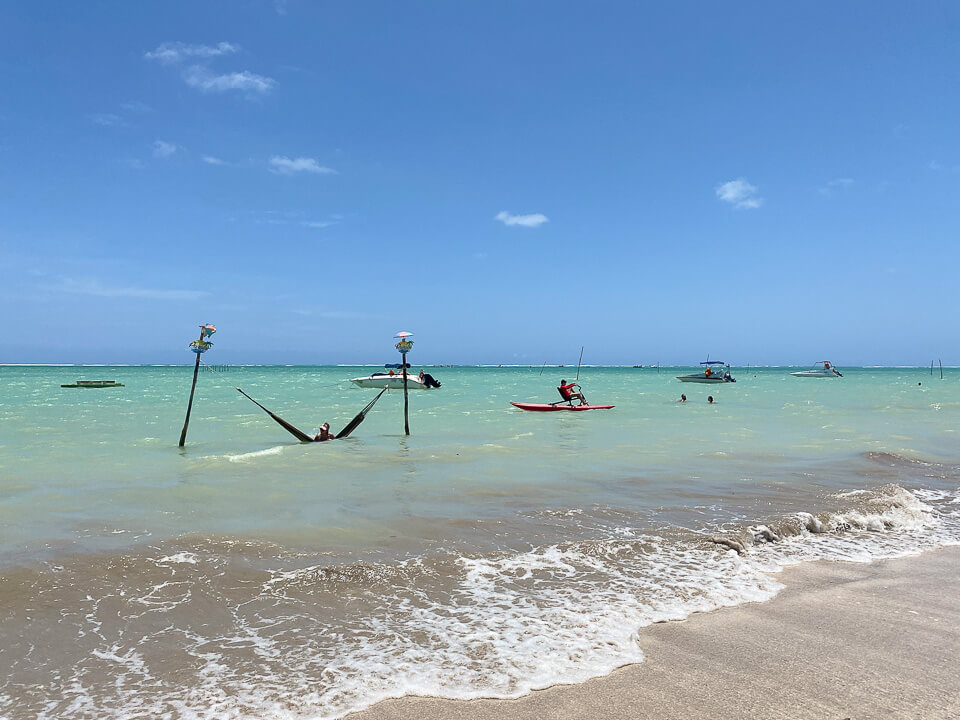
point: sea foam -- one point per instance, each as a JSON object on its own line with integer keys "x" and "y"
{"x": 323, "y": 640}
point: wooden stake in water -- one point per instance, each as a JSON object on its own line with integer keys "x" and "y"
{"x": 406, "y": 399}
{"x": 199, "y": 346}
{"x": 404, "y": 345}
{"x": 941, "y": 368}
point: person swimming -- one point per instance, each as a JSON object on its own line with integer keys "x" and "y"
{"x": 710, "y": 399}
{"x": 683, "y": 398}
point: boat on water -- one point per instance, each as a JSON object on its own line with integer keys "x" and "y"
{"x": 393, "y": 379}
{"x": 821, "y": 369}
{"x": 554, "y": 407}
{"x": 714, "y": 371}
{"x": 93, "y": 384}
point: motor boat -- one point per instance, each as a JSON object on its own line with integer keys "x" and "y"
{"x": 393, "y": 380}
{"x": 714, "y": 371}
{"x": 822, "y": 369}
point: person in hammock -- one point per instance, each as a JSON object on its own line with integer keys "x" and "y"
{"x": 324, "y": 434}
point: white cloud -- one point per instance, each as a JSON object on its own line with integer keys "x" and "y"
{"x": 318, "y": 223}
{"x": 95, "y": 288}
{"x": 330, "y": 314}
{"x": 133, "y": 162}
{"x": 174, "y": 52}
{"x": 163, "y": 149}
{"x": 280, "y": 6}
{"x": 283, "y": 165}
{"x": 836, "y": 183}
{"x": 934, "y": 165}
{"x": 199, "y": 76}
{"x": 203, "y": 79}
{"x": 210, "y": 160}
{"x": 740, "y": 194}
{"x": 106, "y": 119}
{"x": 532, "y": 220}
{"x": 136, "y": 106}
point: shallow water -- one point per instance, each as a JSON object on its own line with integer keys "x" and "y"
{"x": 491, "y": 552}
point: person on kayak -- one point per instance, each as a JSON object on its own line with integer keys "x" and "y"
{"x": 567, "y": 393}
{"x": 324, "y": 434}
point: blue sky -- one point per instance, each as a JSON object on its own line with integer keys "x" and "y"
{"x": 769, "y": 183}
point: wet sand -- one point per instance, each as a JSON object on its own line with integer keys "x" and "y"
{"x": 842, "y": 640}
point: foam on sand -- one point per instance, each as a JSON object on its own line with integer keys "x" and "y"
{"x": 257, "y": 636}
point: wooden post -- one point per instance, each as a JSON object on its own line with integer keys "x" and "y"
{"x": 404, "y": 345}
{"x": 193, "y": 387}
{"x": 941, "y": 369}
{"x": 406, "y": 402}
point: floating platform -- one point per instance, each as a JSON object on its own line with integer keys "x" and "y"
{"x": 93, "y": 384}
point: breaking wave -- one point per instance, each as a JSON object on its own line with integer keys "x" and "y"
{"x": 227, "y": 629}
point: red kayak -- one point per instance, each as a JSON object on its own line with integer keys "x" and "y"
{"x": 547, "y": 407}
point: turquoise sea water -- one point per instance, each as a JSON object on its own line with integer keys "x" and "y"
{"x": 500, "y": 550}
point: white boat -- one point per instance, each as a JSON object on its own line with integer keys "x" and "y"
{"x": 711, "y": 374}
{"x": 822, "y": 369}
{"x": 393, "y": 380}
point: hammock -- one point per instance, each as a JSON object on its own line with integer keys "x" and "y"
{"x": 302, "y": 436}
{"x": 352, "y": 425}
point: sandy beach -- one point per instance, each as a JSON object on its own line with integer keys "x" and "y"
{"x": 842, "y": 640}
{"x": 251, "y": 576}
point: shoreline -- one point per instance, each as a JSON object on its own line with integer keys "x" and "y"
{"x": 841, "y": 640}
